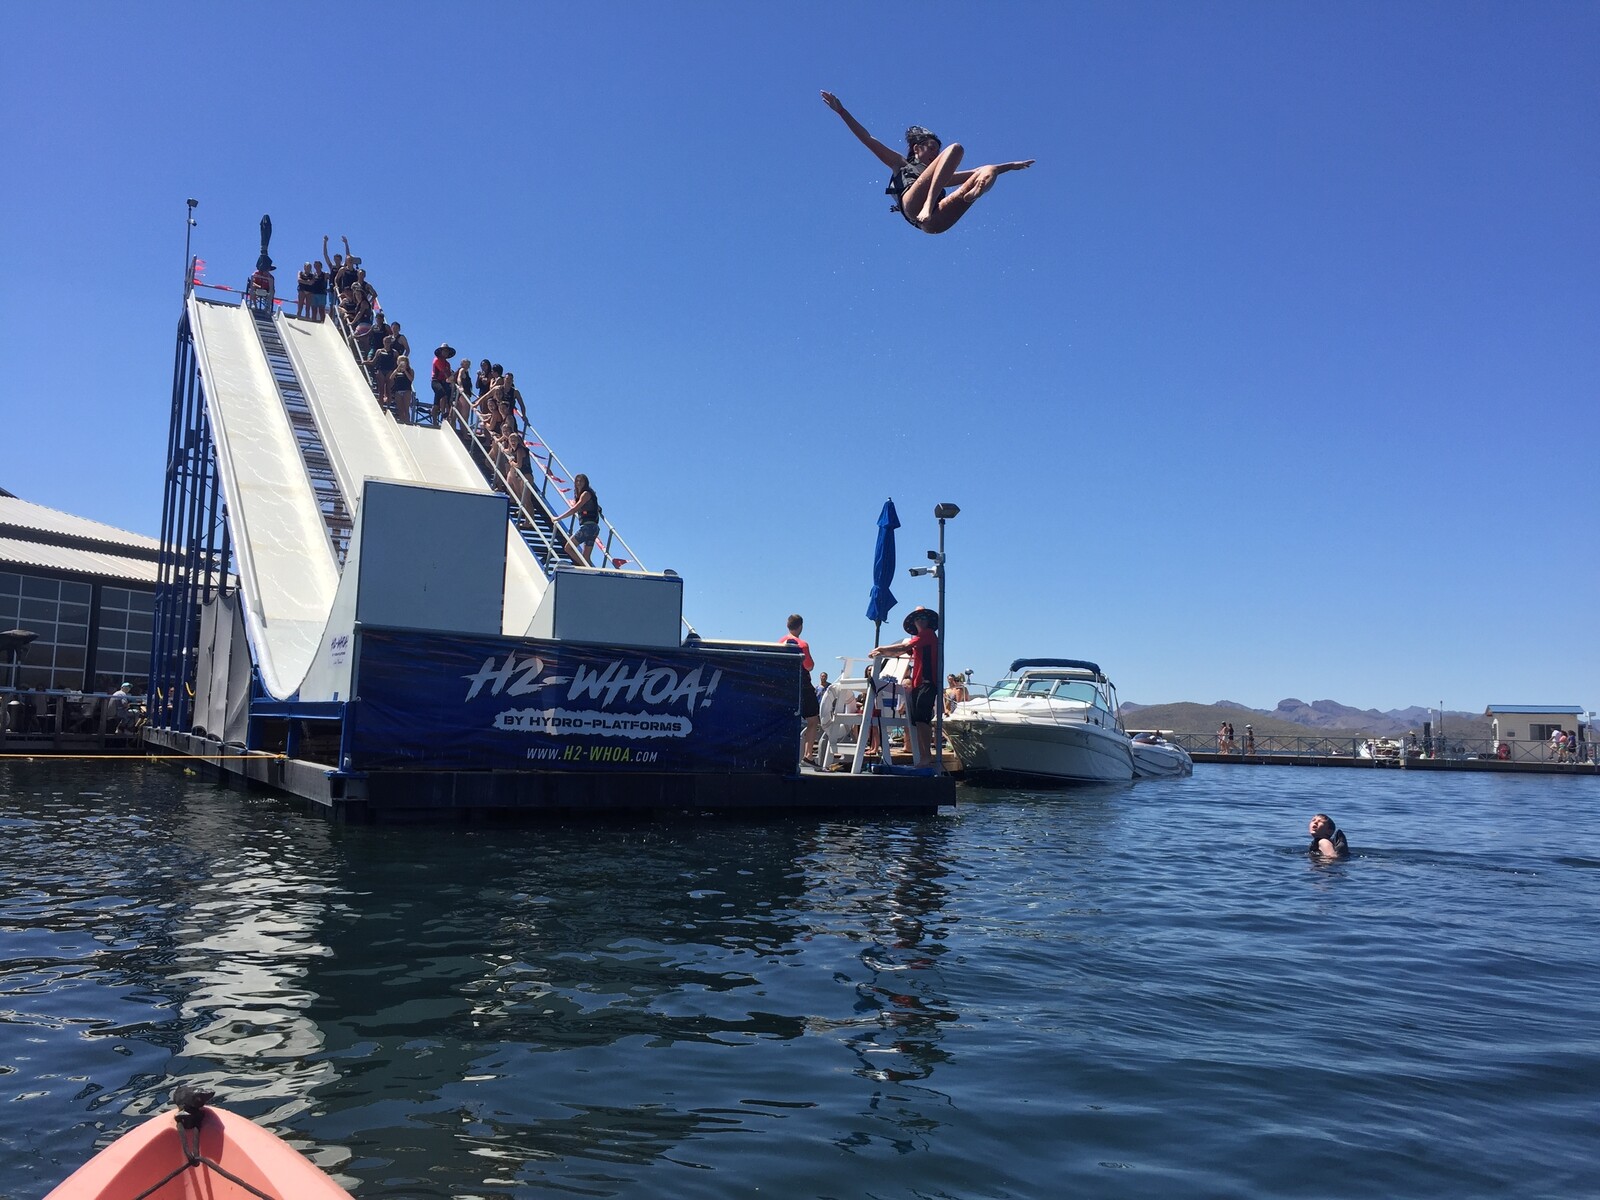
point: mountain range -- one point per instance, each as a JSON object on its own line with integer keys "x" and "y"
{"x": 1293, "y": 717}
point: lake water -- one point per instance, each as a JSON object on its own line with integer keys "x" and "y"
{"x": 1129, "y": 991}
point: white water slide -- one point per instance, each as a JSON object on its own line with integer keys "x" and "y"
{"x": 287, "y": 569}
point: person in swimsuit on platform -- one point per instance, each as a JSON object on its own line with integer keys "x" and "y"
{"x": 588, "y": 510}
{"x": 922, "y": 175}
{"x": 402, "y": 390}
{"x": 1327, "y": 839}
{"x": 302, "y": 293}
{"x": 319, "y": 292}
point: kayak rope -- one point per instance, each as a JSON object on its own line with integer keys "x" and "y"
{"x": 193, "y": 1102}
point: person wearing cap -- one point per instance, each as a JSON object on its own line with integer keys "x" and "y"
{"x": 925, "y": 172}
{"x": 923, "y": 649}
{"x": 1249, "y": 739}
{"x": 441, "y": 379}
{"x": 118, "y": 708}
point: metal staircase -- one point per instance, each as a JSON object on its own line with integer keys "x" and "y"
{"x": 313, "y": 453}
{"x": 539, "y": 532}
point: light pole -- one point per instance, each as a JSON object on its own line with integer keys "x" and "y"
{"x": 188, "y": 263}
{"x": 943, "y": 512}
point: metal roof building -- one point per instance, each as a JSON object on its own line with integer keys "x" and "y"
{"x": 85, "y": 589}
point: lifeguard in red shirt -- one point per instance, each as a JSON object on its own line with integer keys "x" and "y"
{"x": 808, "y": 692}
{"x": 923, "y": 648}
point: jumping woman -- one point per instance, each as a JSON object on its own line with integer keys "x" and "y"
{"x": 923, "y": 174}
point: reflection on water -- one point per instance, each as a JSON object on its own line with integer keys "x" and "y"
{"x": 1106, "y": 991}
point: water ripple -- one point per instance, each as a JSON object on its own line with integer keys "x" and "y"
{"x": 1122, "y": 991}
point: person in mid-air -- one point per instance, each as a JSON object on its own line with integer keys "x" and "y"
{"x": 925, "y": 172}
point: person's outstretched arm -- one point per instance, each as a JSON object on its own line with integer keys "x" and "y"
{"x": 890, "y": 158}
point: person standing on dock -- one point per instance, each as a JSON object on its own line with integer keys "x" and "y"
{"x": 810, "y": 706}
{"x": 1249, "y": 740}
{"x": 923, "y": 649}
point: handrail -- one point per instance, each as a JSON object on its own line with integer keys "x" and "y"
{"x": 612, "y": 536}
{"x": 471, "y": 426}
{"x": 475, "y": 437}
{"x": 469, "y": 429}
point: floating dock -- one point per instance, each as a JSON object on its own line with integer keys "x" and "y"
{"x": 1513, "y": 767}
{"x": 388, "y": 620}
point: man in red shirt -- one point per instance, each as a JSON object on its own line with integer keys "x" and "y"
{"x": 443, "y": 379}
{"x": 923, "y": 647}
{"x": 809, "y": 706}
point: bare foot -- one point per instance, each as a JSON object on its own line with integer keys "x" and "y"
{"x": 1015, "y": 166}
{"x": 983, "y": 179}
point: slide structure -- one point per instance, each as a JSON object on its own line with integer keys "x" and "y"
{"x": 288, "y": 570}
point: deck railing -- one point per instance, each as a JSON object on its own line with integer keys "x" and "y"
{"x": 1365, "y": 746}
{"x": 58, "y": 720}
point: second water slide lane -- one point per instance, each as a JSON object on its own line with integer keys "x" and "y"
{"x": 364, "y": 442}
{"x": 287, "y": 571}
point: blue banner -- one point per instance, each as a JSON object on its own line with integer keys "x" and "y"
{"x": 463, "y": 703}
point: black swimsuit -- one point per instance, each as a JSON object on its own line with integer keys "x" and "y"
{"x": 906, "y": 174}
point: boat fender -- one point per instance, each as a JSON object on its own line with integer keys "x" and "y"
{"x": 1502, "y": 751}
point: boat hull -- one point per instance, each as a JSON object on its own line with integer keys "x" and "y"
{"x": 150, "y": 1152}
{"x": 1057, "y": 752}
{"x": 1161, "y": 760}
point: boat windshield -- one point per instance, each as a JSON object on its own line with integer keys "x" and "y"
{"x": 1075, "y": 691}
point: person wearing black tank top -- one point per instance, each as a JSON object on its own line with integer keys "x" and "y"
{"x": 302, "y": 295}
{"x": 588, "y": 510}
{"x": 925, "y": 172}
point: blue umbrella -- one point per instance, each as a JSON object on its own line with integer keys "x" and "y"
{"x": 882, "y": 599}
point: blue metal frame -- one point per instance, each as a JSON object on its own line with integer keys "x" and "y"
{"x": 195, "y": 545}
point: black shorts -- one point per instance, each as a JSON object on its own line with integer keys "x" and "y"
{"x": 808, "y": 697}
{"x": 922, "y": 704}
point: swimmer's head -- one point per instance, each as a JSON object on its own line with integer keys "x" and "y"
{"x": 1321, "y": 825}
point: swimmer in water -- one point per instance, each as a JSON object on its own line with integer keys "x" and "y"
{"x": 923, "y": 174}
{"x": 1327, "y": 839}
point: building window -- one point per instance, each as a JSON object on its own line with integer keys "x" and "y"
{"x": 1541, "y": 733}
{"x": 58, "y": 611}
{"x": 123, "y": 651}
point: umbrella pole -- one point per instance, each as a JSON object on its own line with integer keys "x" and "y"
{"x": 872, "y": 694}
{"x": 870, "y": 713}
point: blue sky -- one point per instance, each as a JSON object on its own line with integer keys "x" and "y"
{"x": 1275, "y": 377}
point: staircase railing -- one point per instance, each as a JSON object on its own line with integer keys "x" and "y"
{"x": 533, "y": 508}
{"x": 532, "y": 490}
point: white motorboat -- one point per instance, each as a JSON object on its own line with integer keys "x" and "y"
{"x": 1155, "y": 756}
{"x": 1050, "y": 719}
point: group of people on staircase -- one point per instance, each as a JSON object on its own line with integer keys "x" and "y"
{"x": 485, "y": 406}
